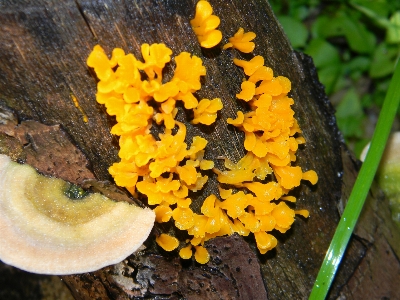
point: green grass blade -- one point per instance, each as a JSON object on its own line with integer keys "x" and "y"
{"x": 360, "y": 190}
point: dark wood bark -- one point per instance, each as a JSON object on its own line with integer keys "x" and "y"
{"x": 44, "y": 47}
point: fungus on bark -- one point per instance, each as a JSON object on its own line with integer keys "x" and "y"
{"x": 44, "y": 231}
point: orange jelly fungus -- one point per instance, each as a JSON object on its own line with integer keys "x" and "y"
{"x": 204, "y": 25}
{"x": 201, "y": 255}
{"x": 206, "y": 111}
{"x": 241, "y": 41}
{"x": 272, "y": 136}
{"x": 167, "y": 242}
{"x": 186, "y": 252}
{"x": 166, "y": 169}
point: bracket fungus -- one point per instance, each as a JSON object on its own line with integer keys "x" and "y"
{"x": 388, "y": 173}
{"x": 43, "y": 231}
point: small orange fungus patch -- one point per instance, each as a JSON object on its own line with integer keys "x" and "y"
{"x": 186, "y": 252}
{"x": 206, "y": 111}
{"x": 201, "y": 255}
{"x": 167, "y": 170}
{"x": 303, "y": 212}
{"x": 204, "y": 25}
{"x": 167, "y": 242}
{"x": 311, "y": 176}
{"x": 163, "y": 213}
{"x": 265, "y": 241}
{"x": 248, "y": 91}
{"x": 241, "y": 41}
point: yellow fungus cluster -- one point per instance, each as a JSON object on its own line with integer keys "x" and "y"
{"x": 271, "y": 139}
{"x": 271, "y": 131}
{"x": 241, "y": 41}
{"x": 204, "y": 25}
{"x": 127, "y": 97}
{"x": 167, "y": 169}
{"x": 163, "y": 169}
{"x": 272, "y": 136}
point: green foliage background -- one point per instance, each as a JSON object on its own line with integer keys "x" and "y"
{"x": 355, "y": 46}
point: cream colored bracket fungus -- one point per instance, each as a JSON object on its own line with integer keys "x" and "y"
{"x": 43, "y": 231}
{"x": 388, "y": 174}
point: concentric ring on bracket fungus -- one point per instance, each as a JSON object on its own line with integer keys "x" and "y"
{"x": 43, "y": 231}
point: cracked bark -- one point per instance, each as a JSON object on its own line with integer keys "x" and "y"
{"x": 42, "y": 63}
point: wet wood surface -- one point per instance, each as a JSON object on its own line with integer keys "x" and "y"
{"x": 43, "y": 51}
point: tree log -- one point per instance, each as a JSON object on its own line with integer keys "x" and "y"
{"x": 45, "y": 44}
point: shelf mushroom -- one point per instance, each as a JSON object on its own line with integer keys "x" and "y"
{"x": 388, "y": 173}
{"x": 44, "y": 231}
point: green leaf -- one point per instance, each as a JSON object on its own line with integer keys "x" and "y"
{"x": 351, "y": 127}
{"x": 350, "y": 105}
{"x": 359, "y": 63}
{"x": 357, "y": 66}
{"x": 379, "y": 16}
{"x": 349, "y": 115}
{"x": 375, "y": 8}
{"x": 383, "y": 61}
{"x": 325, "y": 27}
{"x": 379, "y": 92}
{"x": 323, "y": 53}
{"x": 359, "y": 146}
{"x": 295, "y": 30}
{"x": 300, "y": 12}
{"x": 358, "y": 37}
{"x": 326, "y": 59}
{"x": 393, "y": 32}
{"x": 366, "y": 100}
{"x": 329, "y": 77}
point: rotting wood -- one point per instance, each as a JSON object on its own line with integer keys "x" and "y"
{"x": 42, "y": 64}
